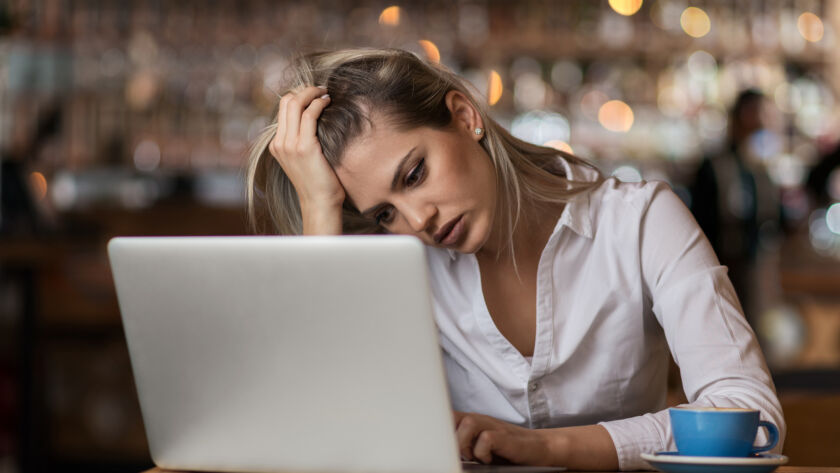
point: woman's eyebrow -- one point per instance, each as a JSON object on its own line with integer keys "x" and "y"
{"x": 399, "y": 170}
{"x": 395, "y": 181}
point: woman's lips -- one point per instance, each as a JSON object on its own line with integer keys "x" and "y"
{"x": 451, "y": 233}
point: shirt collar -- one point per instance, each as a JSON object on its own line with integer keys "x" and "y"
{"x": 576, "y": 213}
{"x": 576, "y": 216}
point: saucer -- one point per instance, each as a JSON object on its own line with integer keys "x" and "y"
{"x": 673, "y": 462}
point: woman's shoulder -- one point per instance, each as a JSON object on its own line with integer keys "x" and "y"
{"x": 628, "y": 199}
{"x": 637, "y": 194}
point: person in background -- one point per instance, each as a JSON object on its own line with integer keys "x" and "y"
{"x": 558, "y": 294}
{"x": 733, "y": 199}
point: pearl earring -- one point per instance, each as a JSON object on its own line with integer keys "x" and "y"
{"x": 478, "y": 131}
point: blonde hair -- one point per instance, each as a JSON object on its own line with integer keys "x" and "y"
{"x": 410, "y": 93}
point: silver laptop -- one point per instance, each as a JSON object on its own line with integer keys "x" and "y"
{"x": 286, "y": 353}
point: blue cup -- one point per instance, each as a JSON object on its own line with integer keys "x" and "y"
{"x": 719, "y": 432}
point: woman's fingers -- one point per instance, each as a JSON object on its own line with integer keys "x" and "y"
{"x": 288, "y": 136}
{"x": 309, "y": 117}
{"x": 488, "y": 440}
{"x": 466, "y": 430}
{"x": 289, "y": 113}
{"x": 484, "y": 446}
{"x": 479, "y": 437}
{"x": 280, "y": 132}
{"x": 294, "y": 109}
{"x": 277, "y": 143}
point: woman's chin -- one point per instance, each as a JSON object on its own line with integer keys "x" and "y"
{"x": 472, "y": 246}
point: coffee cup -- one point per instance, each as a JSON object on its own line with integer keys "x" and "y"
{"x": 719, "y": 431}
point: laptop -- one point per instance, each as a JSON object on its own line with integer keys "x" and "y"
{"x": 287, "y": 354}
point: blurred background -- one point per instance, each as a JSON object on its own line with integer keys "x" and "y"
{"x": 133, "y": 118}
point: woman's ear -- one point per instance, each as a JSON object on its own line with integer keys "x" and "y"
{"x": 465, "y": 117}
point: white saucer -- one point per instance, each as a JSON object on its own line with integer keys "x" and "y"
{"x": 673, "y": 462}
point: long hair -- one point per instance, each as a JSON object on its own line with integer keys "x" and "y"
{"x": 411, "y": 93}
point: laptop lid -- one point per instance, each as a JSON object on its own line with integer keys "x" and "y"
{"x": 285, "y": 353}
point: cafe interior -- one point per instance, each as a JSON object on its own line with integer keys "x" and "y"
{"x": 135, "y": 117}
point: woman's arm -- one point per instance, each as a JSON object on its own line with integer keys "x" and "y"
{"x": 321, "y": 218}
{"x": 720, "y": 361}
{"x": 585, "y": 447}
{"x": 490, "y": 440}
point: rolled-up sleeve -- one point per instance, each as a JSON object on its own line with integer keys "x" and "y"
{"x": 720, "y": 361}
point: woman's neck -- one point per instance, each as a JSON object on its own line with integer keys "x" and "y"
{"x": 536, "y": 222}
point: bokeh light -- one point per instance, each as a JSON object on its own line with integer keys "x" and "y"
{"x": 494, "y": 88}
{"x": 615, "y": 30}
{"x": 431, "y": 50}
{"x": 702, "y": 65}
{"x": 823, "y": 240}
{"x": 390, "y": 16}
{"x": 591, "y": 102}
{"x": 616, "y": 115}
{"x": 147, "y": 156}
{"x": 626, "y": 7}
{"x": 141, "y": 89}
{"x": 64, "y": 191}
{"x": 832, "y": 218}
{"x": 530, "y": 92}
{"x": 559, "y": 145}
{"x": 627, "y": 173}
{"x": 566, "y": 76}
{"x": 666, "y": 15}
{"x": 784, "y": 332}
{"x": 810, "y": 27}
{"x": 786, "y": 170}
{"x": 39, "y": 184}
{"x": 712, "y": 122}
{"x": 695, "y": 22}
{"x": 539, "y": 127}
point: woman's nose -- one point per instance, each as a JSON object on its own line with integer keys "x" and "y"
{"x": 419, "y": 217}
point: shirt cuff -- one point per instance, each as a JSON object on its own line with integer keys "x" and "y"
{"x": 648, "y": 433}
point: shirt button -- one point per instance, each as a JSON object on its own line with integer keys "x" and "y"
{"x": 533, "y": 386}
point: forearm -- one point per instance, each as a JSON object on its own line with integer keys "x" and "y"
{"x": 587, "y": 447}
{"x": 321, "y": 219}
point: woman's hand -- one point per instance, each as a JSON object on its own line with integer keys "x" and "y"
{"x": 488, "y": 440}
{"x": 295, "y": 146}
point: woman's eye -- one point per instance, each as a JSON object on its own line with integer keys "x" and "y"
{"x": 416, "y": 174}
{"x": 384, "y": 216}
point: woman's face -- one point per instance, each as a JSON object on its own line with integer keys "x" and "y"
{"x": 438, "y": 185}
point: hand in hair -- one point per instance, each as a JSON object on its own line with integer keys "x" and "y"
{"x": 295, "y": 146}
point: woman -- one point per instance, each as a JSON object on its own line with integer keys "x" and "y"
{"x": 557, "y": 293}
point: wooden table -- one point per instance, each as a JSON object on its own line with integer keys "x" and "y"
{"x": 781, "y": 469}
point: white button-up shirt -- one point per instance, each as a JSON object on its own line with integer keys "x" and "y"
{"x": 626, "y": 275}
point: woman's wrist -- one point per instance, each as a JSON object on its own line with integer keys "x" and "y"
{"x": 586, "y": 447}
{"x": 557, "y": 445}
{"x": 324, "y": 218}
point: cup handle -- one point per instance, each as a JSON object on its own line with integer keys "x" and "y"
{"x": 772, "y": 432}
